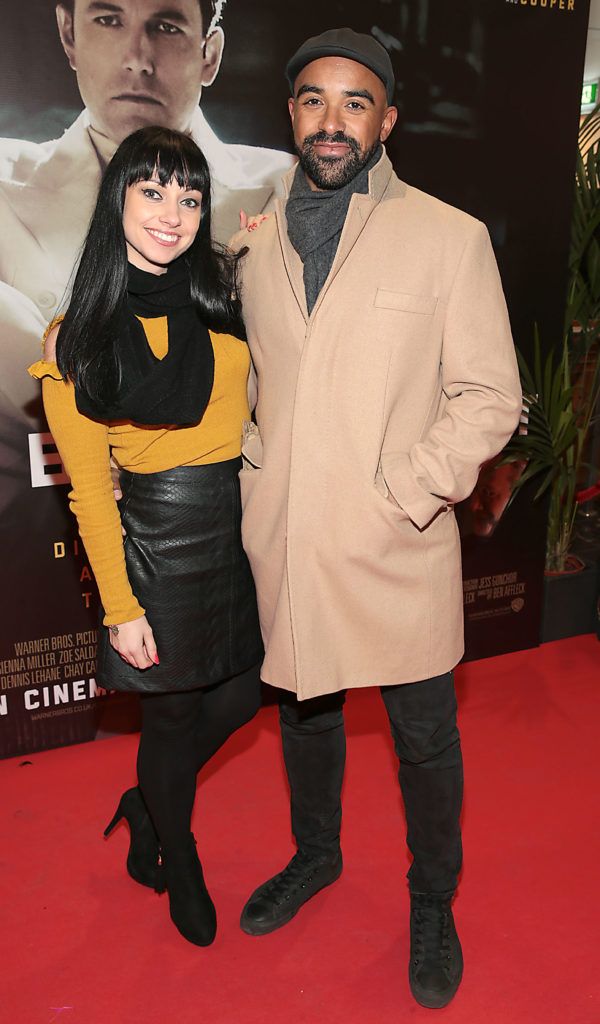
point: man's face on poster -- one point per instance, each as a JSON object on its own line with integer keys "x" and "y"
{"x": 139, "y": 62}
{"x": 491, "y": 495}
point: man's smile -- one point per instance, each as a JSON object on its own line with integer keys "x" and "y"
{"x": 331, "y": 149}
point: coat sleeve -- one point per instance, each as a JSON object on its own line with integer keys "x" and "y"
{"x": 481, "y": 388}
{"x": 84, "y": 449}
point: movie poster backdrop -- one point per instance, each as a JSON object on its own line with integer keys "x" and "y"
{"x": 486, "y": 123}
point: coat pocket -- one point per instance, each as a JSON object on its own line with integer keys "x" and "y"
{"x": 384, "y": 492}
{"x": 405, "y": 302}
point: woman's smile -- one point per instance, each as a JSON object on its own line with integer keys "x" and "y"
{"x": 162, "y": 237}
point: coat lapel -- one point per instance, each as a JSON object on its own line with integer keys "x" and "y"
{"x": 293, "y": 264}
{"x": 56, "y": 203}
{"x": 360, "y": 209}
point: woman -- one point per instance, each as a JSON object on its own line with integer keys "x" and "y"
{"x": 144, "y": 364}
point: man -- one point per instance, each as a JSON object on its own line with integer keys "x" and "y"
{"x": 137, "y": 62}
{"x": 386, "y": 377}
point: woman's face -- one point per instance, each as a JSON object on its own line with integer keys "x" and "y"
{"x": 160, "y": 222}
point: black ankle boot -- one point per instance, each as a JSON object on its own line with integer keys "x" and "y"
{"x": 142, "y": 859}
{"x": 192, "y": 910}
{"x": 436, "y": 962}
{"x": 276, "y": 902}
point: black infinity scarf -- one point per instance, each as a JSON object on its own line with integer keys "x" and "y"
{"x": 173, "y": 391}
{"x": 315, "y": 221}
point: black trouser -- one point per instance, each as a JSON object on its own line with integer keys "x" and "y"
{"x": 423, "y": 723}
{"x": 180, "y": 733}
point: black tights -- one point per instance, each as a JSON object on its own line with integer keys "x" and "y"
{"x": 180, "y": 733}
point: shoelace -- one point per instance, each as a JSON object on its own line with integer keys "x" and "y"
{"x": 432, "y": 929}
{"x": 295, "y": 876}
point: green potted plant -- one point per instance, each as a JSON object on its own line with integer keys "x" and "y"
{"x": 554, "y": 443}
{"x": 562, "y": 394}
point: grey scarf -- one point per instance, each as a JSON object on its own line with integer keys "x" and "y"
{"x": 315, "y": 221}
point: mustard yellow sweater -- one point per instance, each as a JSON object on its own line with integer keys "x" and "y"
{"x": 85, "y": 449}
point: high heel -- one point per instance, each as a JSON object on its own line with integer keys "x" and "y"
{"x": 142, "y": 859}
{"x": 192, "y": 910}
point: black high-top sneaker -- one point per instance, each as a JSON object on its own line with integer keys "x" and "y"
{"x": 276, "y": 902}
{"x": 436, "y": 962}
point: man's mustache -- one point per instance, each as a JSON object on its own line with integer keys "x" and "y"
{"x": 337, "y": 137}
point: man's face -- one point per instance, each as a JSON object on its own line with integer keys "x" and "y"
{"x": 139, "y": 62}
{"x": 491, "y": 495}
{"x": 339, "y": 115}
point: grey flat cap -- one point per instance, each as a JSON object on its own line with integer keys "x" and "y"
{"x": 344, "y": 42}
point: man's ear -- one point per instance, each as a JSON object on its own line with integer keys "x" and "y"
{"x": 64, "y": 19}
{"x": 213, "y": 53}
{"x": 291, "y": 107}
{"x": 389, "y": 120}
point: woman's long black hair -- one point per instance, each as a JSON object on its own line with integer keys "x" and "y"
{"x": 87, "y": 350}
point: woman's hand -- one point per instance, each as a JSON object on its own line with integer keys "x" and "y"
{"x": 249, "y": 222}
{"x": 134, "y": 641}
{"x": 115, "y": 474}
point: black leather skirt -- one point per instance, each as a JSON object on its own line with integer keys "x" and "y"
{"x": 188, "y": 569}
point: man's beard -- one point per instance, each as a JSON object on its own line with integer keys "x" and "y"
{"x": 332, "y": 172}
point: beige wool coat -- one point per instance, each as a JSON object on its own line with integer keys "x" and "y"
{"x": 374, "y": 415}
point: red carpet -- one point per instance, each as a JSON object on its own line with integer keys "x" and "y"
{"x": 83, "y": 944}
